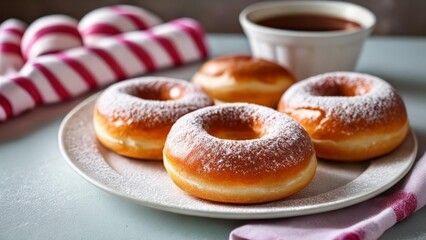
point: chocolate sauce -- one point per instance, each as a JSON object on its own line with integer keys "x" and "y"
{"x": 308, "y": 22}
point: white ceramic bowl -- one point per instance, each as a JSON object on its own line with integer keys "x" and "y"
{"x": 302, "y": 52}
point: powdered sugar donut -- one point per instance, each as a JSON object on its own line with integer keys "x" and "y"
{"x": 50, "y": 34}
{"x": 239, "y": 153}
{"x": 113, "y": 20}
{"x": 349, "y": 116}
{"x": 134, "y": 117}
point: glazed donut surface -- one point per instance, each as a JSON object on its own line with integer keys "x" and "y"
{"x": 349, "y": 116}
{"x": 239, "y": 153}
{"x": 243, "y": 78}
{"x": 133, "y": 117}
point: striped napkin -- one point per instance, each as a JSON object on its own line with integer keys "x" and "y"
{"x": 367, "y": 220}
{"x": 57, "y": 57}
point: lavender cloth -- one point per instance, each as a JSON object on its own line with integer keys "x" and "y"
{"x": 367, "y": 220}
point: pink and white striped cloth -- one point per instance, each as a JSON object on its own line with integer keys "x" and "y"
{"x": 365, "y": 221}
{"x": 11, "y": 32}
{"x": 57, "y": 57}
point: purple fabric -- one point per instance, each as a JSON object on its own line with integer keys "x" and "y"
{"x": 367, "y": 220}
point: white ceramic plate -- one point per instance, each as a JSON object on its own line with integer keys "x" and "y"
{"x": 335, "y": 185}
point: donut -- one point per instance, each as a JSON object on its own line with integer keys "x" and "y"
{"x": 243, "y": 78}
{"x": 239, "y": 153}
{"x": 133, "y": 117}
{"x": 349, "y": 116}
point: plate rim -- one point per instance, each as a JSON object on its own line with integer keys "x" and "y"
{"x": 321, "y": 207}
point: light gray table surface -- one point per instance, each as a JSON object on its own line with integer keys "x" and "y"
{"x": 41, "y": 197}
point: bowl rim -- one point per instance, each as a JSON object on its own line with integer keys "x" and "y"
{"x": 247, "y": 24}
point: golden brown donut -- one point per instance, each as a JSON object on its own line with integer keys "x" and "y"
{"x": 349, "y": 116}
{"x": 239, "y": 153}
{"x": 133, "y": 117}
{"x": 243, "y": 79}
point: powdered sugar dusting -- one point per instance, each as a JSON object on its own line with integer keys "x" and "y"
{"x": 121, "y": 104}
{"x": 376, "y": 105}
{"x": 283, "y": 144}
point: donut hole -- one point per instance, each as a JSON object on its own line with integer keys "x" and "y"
{"x": 161, "y": 93}
{"x": 235, "y": 129}
{"x": 235, "y": 133}
{"x": 342, "y": 88}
